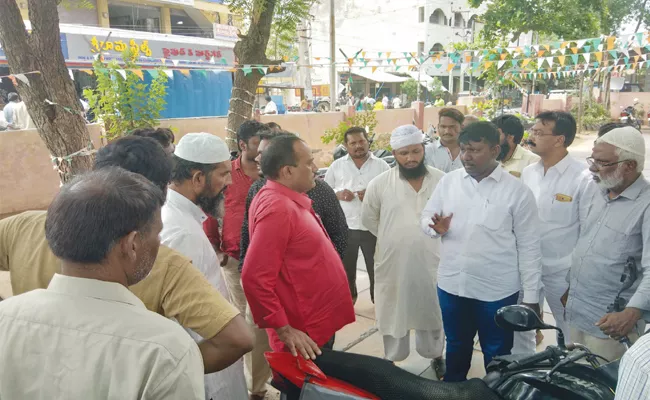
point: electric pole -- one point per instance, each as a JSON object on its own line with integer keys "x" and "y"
{"x": 305, "y": 59}
{"x": 333, "y": 92}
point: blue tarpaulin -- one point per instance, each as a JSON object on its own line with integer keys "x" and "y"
{"x": 203, "y": 94}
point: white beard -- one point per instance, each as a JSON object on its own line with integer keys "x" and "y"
{"x": 611, "y": 182}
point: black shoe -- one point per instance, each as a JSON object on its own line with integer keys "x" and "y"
{"x": 439, "y": 367}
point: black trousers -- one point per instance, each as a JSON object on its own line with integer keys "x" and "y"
{"x": 367, "y": 242}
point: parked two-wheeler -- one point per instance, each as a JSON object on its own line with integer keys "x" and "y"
{"x": 555, "y": 373}
{"x": 628, "y": 116}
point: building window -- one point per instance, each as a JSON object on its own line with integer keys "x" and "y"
{"x": 420, "y": 48}
{"x": 459, "y": 21}
{"x": 436, "y": 48}
{"x": 184, "y": 24}
{"x": 230, "y": 20}
{"x": 421, "y": 14}
{"x": 438, "y": 17}
{"x": 134, "y": 17}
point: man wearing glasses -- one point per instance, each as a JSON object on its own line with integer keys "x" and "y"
{"x": 557, "y": 182}
{"x": 614, "y": 225}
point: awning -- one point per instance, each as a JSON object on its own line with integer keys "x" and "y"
{"x": 379, "y": 76}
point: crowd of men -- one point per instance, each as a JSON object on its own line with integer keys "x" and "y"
{"x": 253, "y": 253}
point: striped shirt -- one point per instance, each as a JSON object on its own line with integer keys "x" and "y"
{"x": 634, "y": 372}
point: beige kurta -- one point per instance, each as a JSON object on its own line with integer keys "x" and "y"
{"x": 521, "y": 158}
{"x": 406, "y": 260}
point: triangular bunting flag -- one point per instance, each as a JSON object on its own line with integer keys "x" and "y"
{"x": 408, "y": 58}
{"x": 175, "y": 62}
{"x": 586, "y": 48}
{"x": 503, "y": 56}
{"x": 153, "y": 73}
{"x": 122, "y": 72}
{"x": 398, "y": 67}
{"x": 596, "y": 43}
{"x": 437, "y": 65}
{"x": 639, "y": 38}
{"x": 138, "y": 73}
{"x": 626, "y": 52}
{"x": 488, "y": 64}
{"x": 414, "y": 54}
{"x": 514, "y": 63}
{"x": 23, "y": 79}
{"x": 87, "y": 71}
{"x": 387, "y": 54}
{"x": 540, "y": 53}
{"x": 212, "y": 61}
{"x": 599, "y": 56}
{"x": 422, "y": 59}
{"x": 374, "y": 69}
{"x": 247, "y": 69}
{"x": 574, "y": 58}
{"x": 169, "y": 73}
{"x": 262, "y": 70}
{"x": 574, "y": 50}
{"x": 561, "y": 60}
{"x": 587, "y": 57}
{"x": 286, "y": 58}
{"x": 379, "y": 55}
{"x": 71, "y": 74}
{"x": 549, "y": 61}
{"x": 525, "y": 62}
{"x": 363, "y": 54}
{"x": 450, "y": 67}
{"x": 613, "y": 54}
{"x": 224, "y": 61}
{"x": 500, "y": 64}
{"x": 185, "y": 72}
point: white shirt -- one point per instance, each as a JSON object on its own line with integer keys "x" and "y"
{"x": 22, "y": 120}
{"x": 183, "y": 232}
{"x": 558, "y": 195}
{"x": 271, "y": 108}
{"x": 344, "y": 174}
{"x": 492, "y": 247}
{"x": 397, "y": 103}
{"x": 8, "y": 111}
{"x": 438, "y": 156}
{"x": 521, "y": 158}
{"x": 88, "y": 339}
{"x": 634, "y": 371}
{"x": 406, "y": 260}
{"x": 384, "y": 101}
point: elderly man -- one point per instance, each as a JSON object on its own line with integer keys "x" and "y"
{"x": 349, "y": 176}
{"x": 174, "y": 288}
{"x": 407, "y": 260}
{"x": 201, "y": 172}
{"x": 444, "y": 153}
{"x": 86, "y": 335}
{"x": 513, "y": 157}
{"x": 293, "y": 278}
{"x": 557, "y": 182}
{"x": 614, "y": 225}
{"x": 488, "y": 223}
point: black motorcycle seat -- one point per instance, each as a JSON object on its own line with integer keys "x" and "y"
{"x": 387, "y": 381}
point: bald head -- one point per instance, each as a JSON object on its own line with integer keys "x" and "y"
{"x": 470, "y": 119}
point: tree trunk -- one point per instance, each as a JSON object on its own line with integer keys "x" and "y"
{"x": 249, "y": 50}
{"x": 581, "y": 106}
{"x": 608, "y": 81}
{"x": 64, "y": 132}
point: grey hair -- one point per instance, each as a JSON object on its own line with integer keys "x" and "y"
{"x": 626, "y": 155}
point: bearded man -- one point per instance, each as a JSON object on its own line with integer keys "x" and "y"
{"x": 406, "y": 260}
{"x": 202, "y": 169}
{"x": 614, "y": 225}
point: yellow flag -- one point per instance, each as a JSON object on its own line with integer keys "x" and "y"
{"x": 526, "y": 62}
{"x": 363, "y": 54}
{"x": 488, "y": 64}
{"x": 574, "y": 50}
{"x": 561, "y": 59}
{"x": 185, "y": 72}
{"x": 317, "y": 58}
{"x": 599, "y": 56}
{"x": 541, "y": 53}
{"x": 388, "y": 54}
{"x": 374, "y": 69}
{"x": 450, "y": 67}
{"x": 285, "y": 58}
{"x": 503, "y": 56}
{"x": 611, "y": 40}
{"x": 87, "y": 71}
{"x": 564, "y": 45}
{"x": 138, "y": 73}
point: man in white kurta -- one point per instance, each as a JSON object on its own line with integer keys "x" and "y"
{"x": 406, "y": 260}
{"x": 201, "y": 171}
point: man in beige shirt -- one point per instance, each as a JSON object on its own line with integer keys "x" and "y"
{"x": 174, "y": 288}
{"x": 513, "y": 157}
{"x": 87, "y": 336}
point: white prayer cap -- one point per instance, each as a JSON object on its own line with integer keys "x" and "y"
{"x": 406, "y": 135}
{"x": 203, "y": 148}
{"x": 626, "y": 138}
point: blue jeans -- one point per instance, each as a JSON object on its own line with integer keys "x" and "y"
{"x": 462, "y": 318}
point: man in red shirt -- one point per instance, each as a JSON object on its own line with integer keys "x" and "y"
{"x": 293, "y": 277}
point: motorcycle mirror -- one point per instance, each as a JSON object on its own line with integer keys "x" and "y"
{"x": 519, "y": 318}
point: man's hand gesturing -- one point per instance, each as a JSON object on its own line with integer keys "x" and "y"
{"x": 441, "y": 224}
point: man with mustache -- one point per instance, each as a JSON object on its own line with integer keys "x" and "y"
{"x": 513, "y": 157}
{"x": 406, "y": 260}
{"x": 614, "y": 225}
{"x": 202, "y": 169}
{"x": 444, "y": 153}
{"x": 488, "y": 225}
{"x": 557, "y": 182}
{"x": 349, "y": 176}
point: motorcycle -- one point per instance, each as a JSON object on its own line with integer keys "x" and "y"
{"x": 554, "y": 373}
{"x": 628, "y": 116}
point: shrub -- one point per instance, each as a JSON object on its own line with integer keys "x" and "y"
{"x": 364, "y": 119}
{"x": 593, "y": 116}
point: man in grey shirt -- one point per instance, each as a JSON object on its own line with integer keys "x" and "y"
{"x": 615, "y": 224}
{"x": 444, "y": 153}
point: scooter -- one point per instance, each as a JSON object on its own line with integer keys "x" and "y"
{"x": 548, "y": 375}
{"x": 628, "y": 117}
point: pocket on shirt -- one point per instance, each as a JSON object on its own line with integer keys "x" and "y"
{"x": 496, "y": 218}
{"x": 561, "y": 212}
{"x": 611, "y": 240}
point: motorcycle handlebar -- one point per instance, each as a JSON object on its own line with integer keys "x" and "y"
{"x": 535, "y": 358}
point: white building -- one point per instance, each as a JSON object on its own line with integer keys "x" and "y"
{"x": 412, "y": 26}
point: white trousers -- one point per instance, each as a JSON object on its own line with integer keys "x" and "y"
{"x": 555, "y": 285}
{"x": 428, "y": 344}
